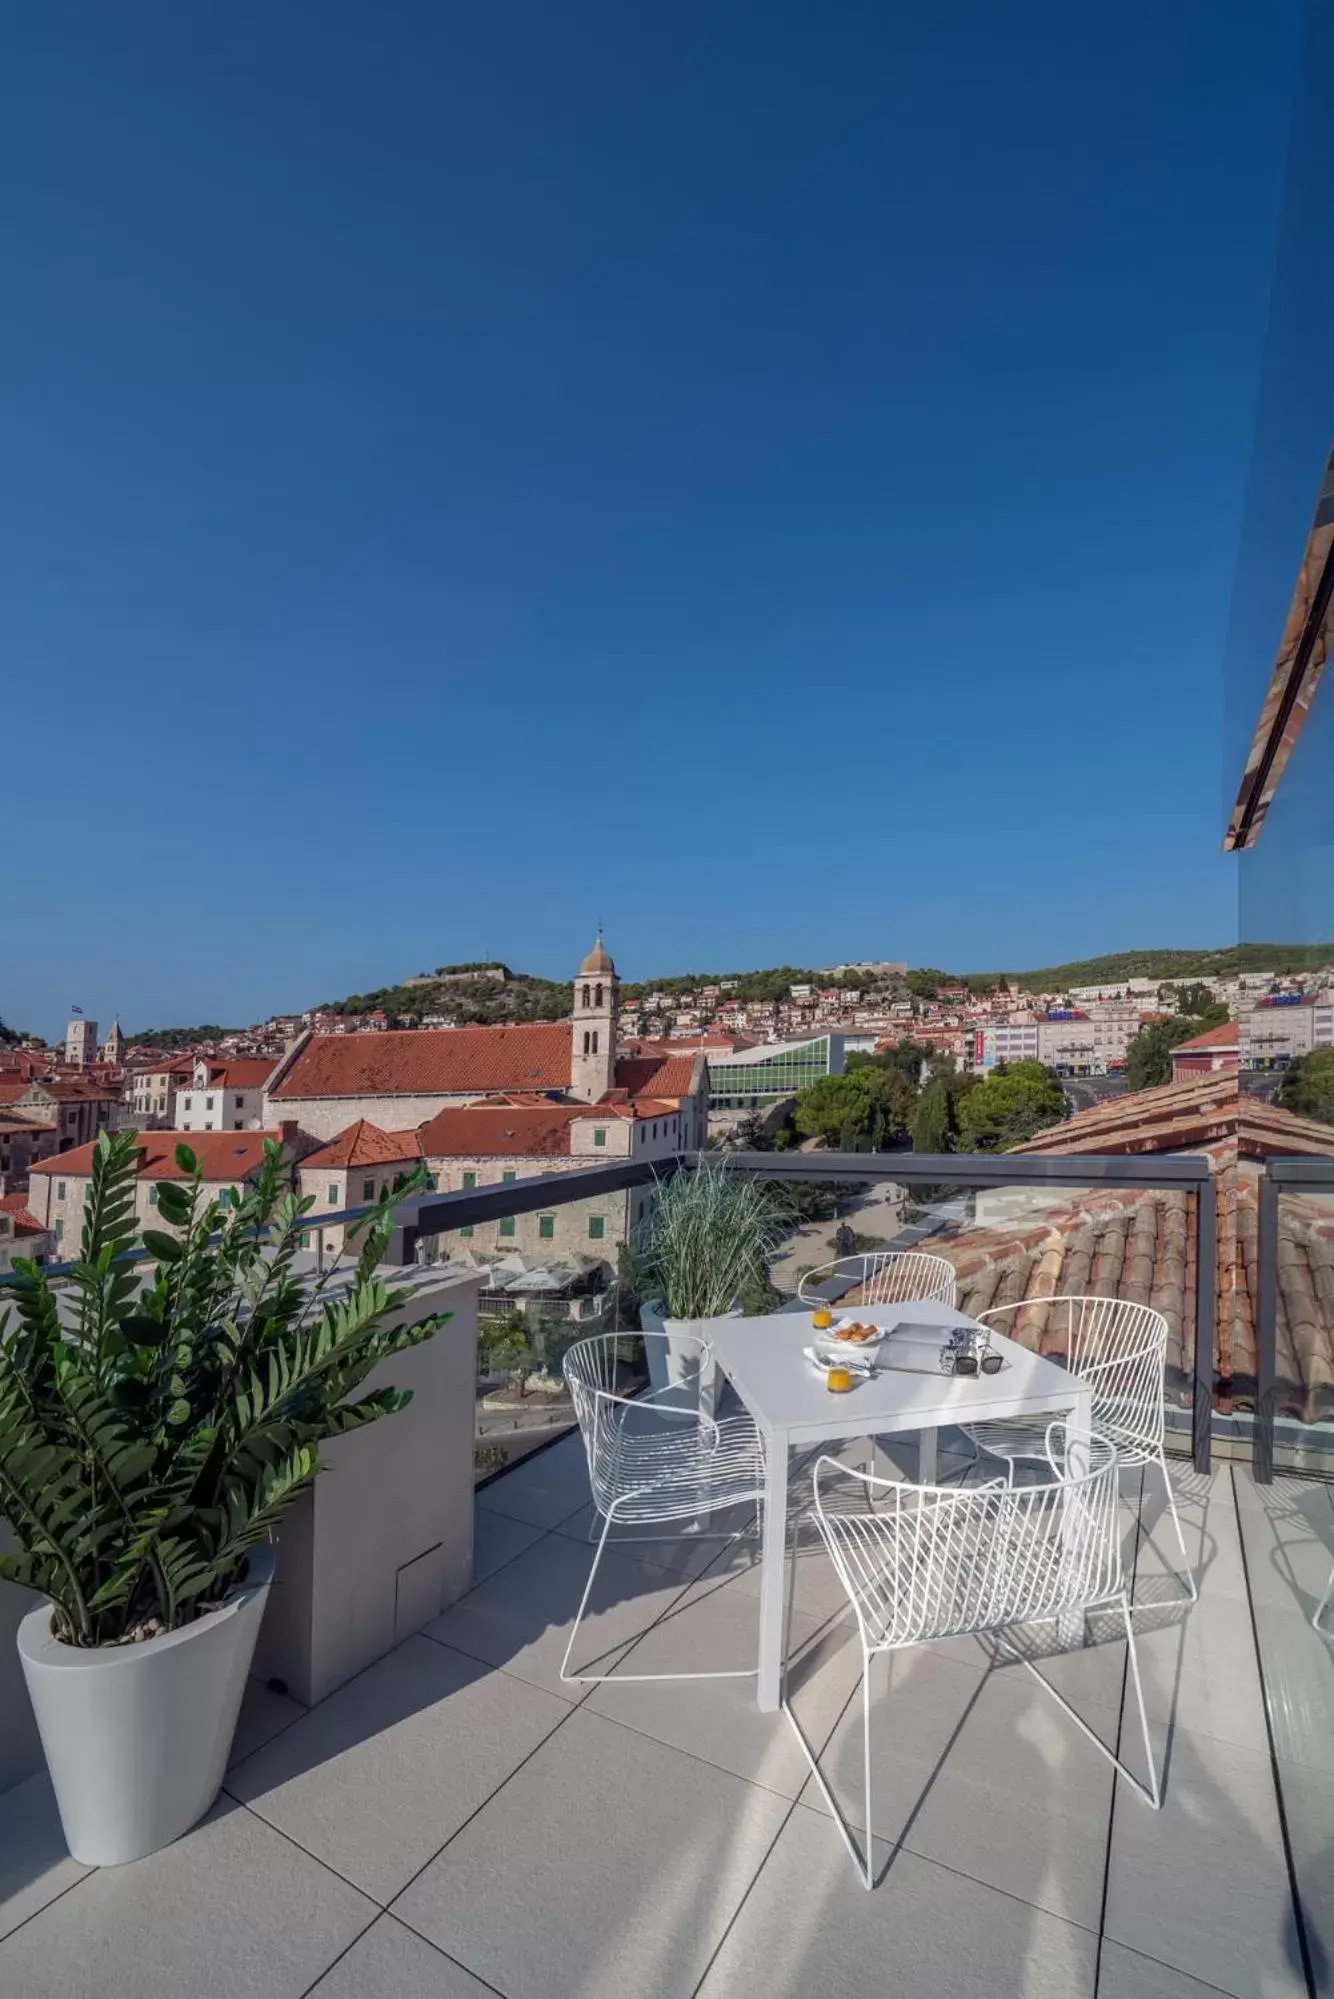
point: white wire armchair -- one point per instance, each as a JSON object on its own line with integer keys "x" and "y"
{"x": 654, "y": 1459}
{"x": 886, "y": 1277}
{"x": 922, "y": 1563}
{"x": 1120, "y": 1350}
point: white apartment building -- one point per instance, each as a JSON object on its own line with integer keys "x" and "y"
{"x": 1004, "y": 1041}
{"x": 224, "y": 1096}
{"x": 1274, "y": 1036}
{"x": 1069, "y": 1045}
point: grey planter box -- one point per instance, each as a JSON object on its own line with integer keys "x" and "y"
{"x": 383, "y": 1541}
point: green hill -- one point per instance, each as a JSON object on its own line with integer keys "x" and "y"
{"x": 468, "y": 1000}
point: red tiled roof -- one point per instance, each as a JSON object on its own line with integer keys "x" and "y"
{"x": 460, "y": 1061}
{"x": 224, "y": 1155}
{"x": 418, "y": 1062}
{"x": 75, "y": 1089}
{"x": 1186, "y": 1116}
{"x": 652, "y": 1077}
{"x": 25, "y": 1223}
{"x": 484, "y": 1130}
{"x": 247, "y": 1072}
{"x": 1224, "y": 1036}
{"x": 364, "y": 1144}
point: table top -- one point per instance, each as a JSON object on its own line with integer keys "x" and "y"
{"x": 786, "y": 1394}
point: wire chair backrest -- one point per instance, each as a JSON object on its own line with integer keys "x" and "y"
{"x": 1117, "y": 1347}
{"x": 938, "y": 1562}
{"x": 592, "y": 1371}
{"x": 888, "y": 1277}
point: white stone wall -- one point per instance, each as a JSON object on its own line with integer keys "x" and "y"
{"x": 232, "y": 1110}
{"x": 570, "y": 1232}
{"x": 57, "y": 1201}
{"x": 324, "y": 1117}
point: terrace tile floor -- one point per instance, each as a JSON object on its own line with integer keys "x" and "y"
{"x": 456, "y": 1822}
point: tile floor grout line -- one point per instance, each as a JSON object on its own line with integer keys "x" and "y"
{"x": 1294, "y": 1891}
{"x": 320, "y": 1976}
{"x": 1161, "y": 1964}
{"x": 379, "y": 1916}
{"x": 1120, "y": 1731}
{"x": 748, "y": 1891}
{"x": 573, "y": 1707}
{"x": 962, "y": 1874}
{"x": 479, "y": 1582}
{"x": 59, "y": 1896}
{"x": 292, "y": 1840}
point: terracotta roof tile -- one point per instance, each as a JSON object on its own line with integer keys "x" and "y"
{"x": 364, "y": 1144}
{"x": 224, "y": 1155}
{"x": 246, "y": 1072}
{"x": 1225, "y": 1035}
{"x": 430, "y": 1062}
{"x": 24, "y": 1222}
{"x": 480, "y": 1131}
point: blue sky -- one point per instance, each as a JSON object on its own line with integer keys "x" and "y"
{"x": 766, "y": 477}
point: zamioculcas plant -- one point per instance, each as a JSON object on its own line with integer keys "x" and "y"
{"x": 152, "y": 1433}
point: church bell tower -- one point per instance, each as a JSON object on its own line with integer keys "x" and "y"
{"x": 596, "y": 1009}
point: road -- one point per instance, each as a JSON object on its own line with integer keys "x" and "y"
{"x": 1083, "y": 1092}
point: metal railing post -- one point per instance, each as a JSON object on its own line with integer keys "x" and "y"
{"x": 1206, "y": 1320}
{"x": 1266, "y": 1330}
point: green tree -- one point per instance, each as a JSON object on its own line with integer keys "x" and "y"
{"x": 1308, "y": 1087}
{"x": 933, "y": 1120}
{"x": 867, "y": 1108}
{"x": 1149, "y": 1056}
{"x": 503, "y": 1347}
{"x": 1013, "y": 1103}
{"x": 1193, "y": 1000}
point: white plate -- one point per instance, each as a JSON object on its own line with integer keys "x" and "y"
{"x": 827, "y": 1340}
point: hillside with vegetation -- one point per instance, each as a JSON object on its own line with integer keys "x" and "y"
{"x": 487, "y": 993}
{"x": 172, "y": 1039}
{"x": 466, "y": 996}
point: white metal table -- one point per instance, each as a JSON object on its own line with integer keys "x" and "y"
{"x": 794, "y": 1409}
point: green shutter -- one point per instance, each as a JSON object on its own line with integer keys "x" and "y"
{"x": 546, "y": 1227}
{"x": 597, "y": 1228}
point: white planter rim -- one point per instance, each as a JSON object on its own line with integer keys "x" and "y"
{"x": 38, "y": 1642}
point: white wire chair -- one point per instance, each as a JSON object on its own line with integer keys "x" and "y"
{"x": 1120, "y": 1350}
{"x": 654, "y": 1459}
{"x": 887, "y": 1277}
{"x": 1320, "y": 1608}
{"x": 933, "y": 1562}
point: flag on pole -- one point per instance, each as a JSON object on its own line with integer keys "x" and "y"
{"x": 76, "y": 1009}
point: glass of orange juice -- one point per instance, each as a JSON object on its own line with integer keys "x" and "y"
{"x": 838, "y": 1380}
{"x": 822, "y": 1318}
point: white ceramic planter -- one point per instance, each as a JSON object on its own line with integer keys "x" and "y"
{"x": 137, "y": 1736}
{"x": 672, "y": 1361}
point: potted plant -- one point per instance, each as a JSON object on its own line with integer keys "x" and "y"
{"x": 153, "y": 1428}
{"x": 702, "y": 1253}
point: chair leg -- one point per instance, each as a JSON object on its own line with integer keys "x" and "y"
{"x": 1153, "y": 1792}
{"x": 1150, "y": 1792}
{"x": 596, "y": 1679}
{"x": 1192, "y": 1588}
{"x": 1320, "y": 1608}
{"x": 866, "y": 1773}
{"x": 583, "y": 1601}
{"x": 864, "y": 1862}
